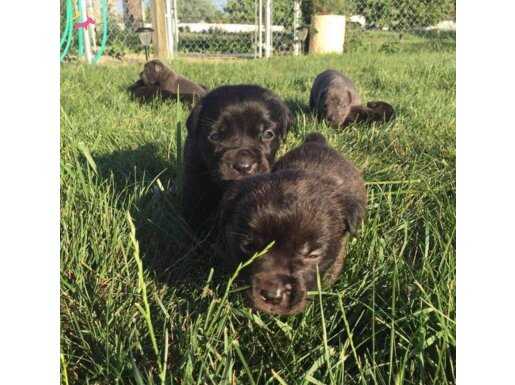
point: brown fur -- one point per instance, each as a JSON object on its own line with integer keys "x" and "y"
{"x": 376, "y": 111}
{"x": 309, "y": 205}
{"x": 157, "y": 80}
{"x": 335, "y": 99}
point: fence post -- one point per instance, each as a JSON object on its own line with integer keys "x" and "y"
{"x": 297, "y": 16}
{"x": 268, "y": 28}
{"x": 158, "y": 22}
{"x": 175, "y": 26}
{"x": 85, "y": 32}
{"x": 256, "y": 29}
{"x": 92, "y": 29}
{"x": 169, "y": 27}
{"x": 260, "y": 28}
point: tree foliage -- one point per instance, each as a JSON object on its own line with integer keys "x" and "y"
{"x": 404, "y": 14}
{"x": 244, "y": 11}
{"x": 395, "y": 14}
{"x": 191, "y": 11}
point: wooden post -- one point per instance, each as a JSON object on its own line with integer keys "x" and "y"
{"x": 159, "y": 25}
{"x": 132, "y": 13}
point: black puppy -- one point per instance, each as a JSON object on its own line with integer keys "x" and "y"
{"x": 335, "y": 98}
{"x": 233, "y": 132}
{"x": 309, "y": 205}
{"x": 157, "y": 80}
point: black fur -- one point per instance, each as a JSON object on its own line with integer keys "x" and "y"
{"x": 234, "y": 132}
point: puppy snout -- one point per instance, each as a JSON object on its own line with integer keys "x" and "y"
{"x": 277, "y": 294}
{"x": 244, "y": 163}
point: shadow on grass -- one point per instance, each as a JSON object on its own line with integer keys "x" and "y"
{"x": 300, "y": 111}
{"x": 297, "y": 106}
{"x": 150, "y": 186}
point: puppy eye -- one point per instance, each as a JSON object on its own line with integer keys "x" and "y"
{"x": 268, "y": 134}
{"x": 247, "y": 247}
{"x": 215, "y": 137}
{"x": 312, "y": 258}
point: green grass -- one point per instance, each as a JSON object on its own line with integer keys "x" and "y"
{"x": 139, "y": 305}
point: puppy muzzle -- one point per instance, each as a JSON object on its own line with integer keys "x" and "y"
{"x": 278, "y": 294}
{"x": 237, "y": 164}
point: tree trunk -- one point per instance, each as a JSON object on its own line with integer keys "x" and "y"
{"x": 133, "y": 13}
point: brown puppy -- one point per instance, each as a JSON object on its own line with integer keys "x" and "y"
{"x": 308, "y": 206}
{"x": 157, "y": 80}
{"x": 233, "y": 132}
{"x": 140, "y": 91}
{"x": 335, "y": 98}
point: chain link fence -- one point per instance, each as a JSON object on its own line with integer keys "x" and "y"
{"x": 216, "y": 29}
{"x": 251, "y": 28}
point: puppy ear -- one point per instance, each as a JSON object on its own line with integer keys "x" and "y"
{"x": 282, "y": 115}
{"x": 192, "y": 122}
{"x": 288, "y": 121}
{"x": 348, "y": 97}
{"x": 353, "y": 212}
{"x": 320, "y": 106}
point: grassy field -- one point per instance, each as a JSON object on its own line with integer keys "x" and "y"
{"x": 140, "y": 306}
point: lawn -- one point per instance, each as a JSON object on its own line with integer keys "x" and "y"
{"x": 140, "y": 305}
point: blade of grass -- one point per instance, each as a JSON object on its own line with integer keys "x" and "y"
{"x": 327, "y": 353}
{"x": 236, "y": 346}
{"x": 278, "y": 378}
{"x": 145, "y": 312}
{"x": 85, "y": 151}
{"x": 64, "y": 369}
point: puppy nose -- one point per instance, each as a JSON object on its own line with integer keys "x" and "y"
{"x": 276, "y": 292}
{"x": 244, "y": 165}
{"x": 272, "y": 295}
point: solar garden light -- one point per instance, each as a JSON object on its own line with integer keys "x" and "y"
{"x": 145, "y": 37}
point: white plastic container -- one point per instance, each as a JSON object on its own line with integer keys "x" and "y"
{"x": 327, "y": 34}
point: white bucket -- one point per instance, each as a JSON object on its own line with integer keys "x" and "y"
{"x": 327, "y": 34}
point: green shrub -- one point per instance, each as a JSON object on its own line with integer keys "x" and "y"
{"x": 404, "y": 14}
{"x": 328, "y": 7}
{"x": 123, "y": 35}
